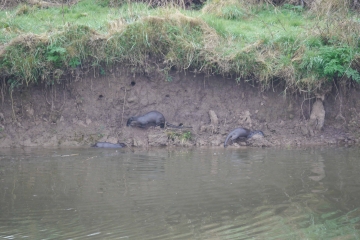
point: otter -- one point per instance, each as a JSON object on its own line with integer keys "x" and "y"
{"x": 241, "y": 133}
{"x": 153, "y": 118}
{"x": 109, "y": 145}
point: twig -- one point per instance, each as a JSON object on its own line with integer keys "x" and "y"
{"x": 45, "y": 95}
{"x": 67, "y": 155}
{"x": 2, "y": 92}
{"x": 12, "y": 105}
{"x": 52, "y": 102}
{"x": 340, "y": 99}
{"x": 70, "y": 155}
{"x": 52, "y": 97}
{"x": 281, "y": 24}
{"x": 302, "y": 111}
{"x": 62, "y": 5}
{"x": 123, "y": 110}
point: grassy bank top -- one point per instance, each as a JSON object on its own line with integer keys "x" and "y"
{"x": 302, "y": 49}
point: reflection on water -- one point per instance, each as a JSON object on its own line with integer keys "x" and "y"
{"x": 180, "y": 194}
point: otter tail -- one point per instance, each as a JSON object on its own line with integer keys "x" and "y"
{"x": 226, "y": 140}
{"x": 174, "y": 126}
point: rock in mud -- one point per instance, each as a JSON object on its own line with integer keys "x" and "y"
{"x": 317, "y": 115}
{"x": 132, "y": 99}
{"x": 213, "y": 118}
{"x": 245, "y": 119}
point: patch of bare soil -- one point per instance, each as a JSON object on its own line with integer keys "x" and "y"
{"x": 82, "y": 112}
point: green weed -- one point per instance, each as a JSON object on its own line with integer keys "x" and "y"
{"x": 182, "y": 136}
{"x": 330, "y": 62}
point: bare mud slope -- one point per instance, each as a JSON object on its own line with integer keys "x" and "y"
{"x": 90, "y": 109}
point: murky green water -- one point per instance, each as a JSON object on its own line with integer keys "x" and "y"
{"x": 180, "y": 194}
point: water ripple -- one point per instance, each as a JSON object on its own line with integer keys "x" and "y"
{"x": 185, "y": 194}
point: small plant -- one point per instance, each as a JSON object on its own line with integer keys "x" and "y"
{"x": 330, "y": 62}
{"x": 102, "y": 71}
{"x": 183, "y": 136}
{"x": 172, "y": 135}
{"x": 186, "y": 136}
{"x": 13, "y": 83}
{"x": 74, "y": 62}
{"x": 56, "y": 55}
{"x": 168, "y": 77}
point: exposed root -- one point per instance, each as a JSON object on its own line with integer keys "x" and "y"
{"x": 52, "y": 104}
{"x": 123, "y": 110}
{"x": 302, "y": 111}
{"x": 2, "y": 92}
{"x": 12, "y": 105}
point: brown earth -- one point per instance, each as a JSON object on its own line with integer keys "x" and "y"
{"x": 89, "y": 109}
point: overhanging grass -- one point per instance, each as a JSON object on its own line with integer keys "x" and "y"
{"x": 261, "y": 44}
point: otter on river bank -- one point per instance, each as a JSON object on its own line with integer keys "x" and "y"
{"x": 241, "y": 133}
{"x": 153, "y": 118}
{"x": 109, "y": 145}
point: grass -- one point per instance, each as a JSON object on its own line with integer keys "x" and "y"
{"x": 181, "y": 136}
{"x": 88, "y": 13}
{"x": 259, "y": 43}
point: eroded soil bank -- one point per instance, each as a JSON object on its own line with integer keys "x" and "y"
{"x": 90, "y": 109}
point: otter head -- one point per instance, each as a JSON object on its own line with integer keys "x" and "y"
{"x": 128, "y": 123}
{"x": 255, "y": 132}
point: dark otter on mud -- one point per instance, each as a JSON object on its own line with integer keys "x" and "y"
{"x": 109, "y": 145}
{"x": 241, "y": 133}
{"x": 153, "y": 118}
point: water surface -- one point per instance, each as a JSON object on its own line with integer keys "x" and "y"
{"x": 180, "y": 194}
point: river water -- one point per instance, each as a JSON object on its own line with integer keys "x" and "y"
{"x": 180, "y": 193}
